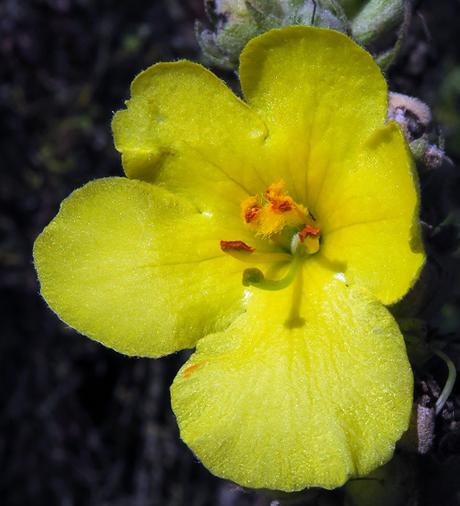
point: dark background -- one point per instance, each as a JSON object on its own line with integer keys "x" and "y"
{"x": 80, "y": 424}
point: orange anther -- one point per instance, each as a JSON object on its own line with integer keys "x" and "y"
{"x": 251, "y": 213}
{"x": 236, "y": 245}
{"x": 269, "y": 213}
{"x": 281, "y": 205}
{"x": 308, "y": 231}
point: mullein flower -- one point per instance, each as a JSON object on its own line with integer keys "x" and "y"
{"x": 269, "y": 235}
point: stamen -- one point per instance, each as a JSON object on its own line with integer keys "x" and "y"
{"x": 309, "y": 237}
{"x": 255, "y": 277}
{"x": 281, "y": 206}
{"x": 245, "y": 253}
{"x": 289, "y": 226}
{"x": 251, "y": 209}
{"x": 236, "y": 246}
{"x": 308, "y": 230}
{"x": 269, "y": 213}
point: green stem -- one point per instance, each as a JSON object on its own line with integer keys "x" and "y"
{"x": 452, "y": 375}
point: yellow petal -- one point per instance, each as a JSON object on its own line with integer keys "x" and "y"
{"x": 324, "y": 101}
{"x": 310, "y": 386}
{"x": 320, "y": 94}
{"x": 184, "y": 129}
{"x": 132, "y": 266}
{"x": 369, "y": 218}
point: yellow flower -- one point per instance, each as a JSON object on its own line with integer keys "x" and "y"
{"x": 268, "y": 234}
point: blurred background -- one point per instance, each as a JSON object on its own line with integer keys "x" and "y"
{"x": 80, "y": 424}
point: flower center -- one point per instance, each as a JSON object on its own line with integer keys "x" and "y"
{"x": 287, "y": 226}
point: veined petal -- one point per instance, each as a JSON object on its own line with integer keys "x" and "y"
{"x": 185, "y": 129}
{"x": 369, "y": 217}
{"x": 310, "y": 386}
{"x": 136, "y": 268}
{"x": 320, "y": 94}
{"x": 324, "y": 97}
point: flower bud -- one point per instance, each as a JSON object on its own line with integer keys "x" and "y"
{"x": 235, "y": 22}
{"x": 415, "y": 120}
{"x": 234, "y": 10}
{"x": 412, "y": 114}
{"x": 376, "y": 19}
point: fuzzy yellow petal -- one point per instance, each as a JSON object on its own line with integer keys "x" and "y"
{"x": 136, "y": 268}
{"x": 320, "y": 95}
{"x": 310, "y": 386}
{"x": 324, "y": 101}
{"x": 370, "y": 221}
{"x": 185, "y": 129}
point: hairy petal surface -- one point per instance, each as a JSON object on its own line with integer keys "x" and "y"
{"x": 136, "y": 268}
{"x": 324, "y": 99}
{"x": 321, "y": 96}
{"x": 185, "y": 129}
{"x": 370, "y": 218}
{"x": 310, "y": 386}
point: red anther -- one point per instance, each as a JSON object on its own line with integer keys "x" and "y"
{"x": 236, "y": 246}
{"x": 281, "y": 206}
{"x": 251, "y": 213}
{"x": 308, "y": 231}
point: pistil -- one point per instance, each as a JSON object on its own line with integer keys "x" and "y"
{"x": 255, "y": 277}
